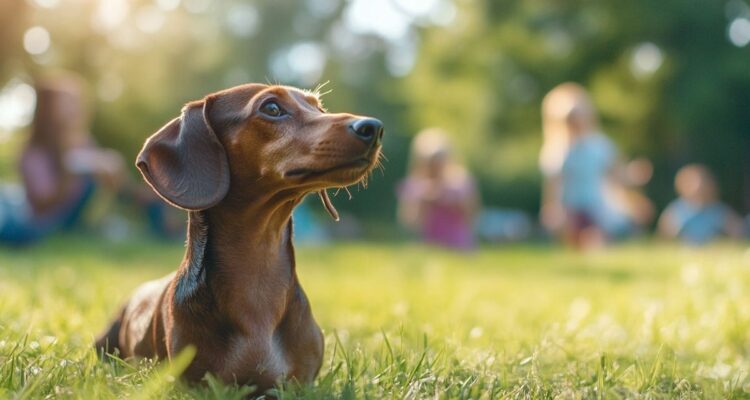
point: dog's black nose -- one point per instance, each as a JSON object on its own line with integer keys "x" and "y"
{"x": 368, "y": 130}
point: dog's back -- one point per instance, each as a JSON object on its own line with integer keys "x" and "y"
{"x": 131, "y": 334}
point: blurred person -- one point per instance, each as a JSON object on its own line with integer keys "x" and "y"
{"x": 438, "y": 198}
{"x": 60, "y": 166}
{"x": 307, "y": 229}
{"x": 588, "y": 197}
{"x": 697, "y": 216}
{"x": 501, "y": 225}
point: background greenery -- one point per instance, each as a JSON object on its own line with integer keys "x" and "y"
{"x": 477, "y": 68}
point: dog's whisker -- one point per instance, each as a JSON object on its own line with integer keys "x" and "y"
{"x": 321, "y": 86}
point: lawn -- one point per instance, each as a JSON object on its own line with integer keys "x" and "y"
{"x": 407, "y": 321}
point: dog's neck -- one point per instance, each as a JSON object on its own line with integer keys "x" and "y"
{"x": 233, "y": 251}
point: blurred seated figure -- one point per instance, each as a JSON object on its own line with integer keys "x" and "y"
{"x": 438, "y": 198}
{"x": 697, "y": 216}
{"x": 588, "y": 196}
{"x": 163, "y": 221}
{"x": 501, "y": 225}
{"x": 59, "y": 167}
{"x": 307, "y": 229}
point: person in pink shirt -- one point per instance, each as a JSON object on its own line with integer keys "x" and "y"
{"x": 59, "y": 167}
{"x": 438, "y": 198}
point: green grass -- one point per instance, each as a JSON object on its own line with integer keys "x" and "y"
{"x": 405, "y": 321}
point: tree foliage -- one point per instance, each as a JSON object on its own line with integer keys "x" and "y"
{"x": 668, "y": 82}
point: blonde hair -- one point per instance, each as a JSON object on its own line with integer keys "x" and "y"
{"x": 566, "y": 103}
{"x": 428, "y": 144}
{"x": 433, "y": 144}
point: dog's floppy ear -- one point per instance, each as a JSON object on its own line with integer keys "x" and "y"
{"x": 184, "y": 161}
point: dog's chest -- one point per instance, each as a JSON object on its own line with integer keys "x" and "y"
{"x": 267, "y": 354}
{"x": 257, "y": 358}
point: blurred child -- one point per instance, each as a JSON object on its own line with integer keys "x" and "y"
{"x": 307, "y": 229}
{"x": 697, "y": 216}
{"x": 438, "y": 198}
{"x": 59, "y": 167}
{"x": 583, "y": 200}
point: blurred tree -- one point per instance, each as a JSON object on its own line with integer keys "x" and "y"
{"x": 670, "y": 78}
{"x": 667, "y": 78}
{"x": 144, "y": 59}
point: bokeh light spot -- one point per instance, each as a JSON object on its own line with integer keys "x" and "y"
{"x": 17, "y": 102}
{"x": 739, "y": 32}
{"x": 379, "y": 17}
{"x": 401, "y": 57}
{"x": 110, "y": 14}
{"x": 302, "y": 63}
{"x": 47, "y": 3}
{"x": 242, "y": 20}
{"x": 36, "y": 40}
{"x": 647, "y": 58}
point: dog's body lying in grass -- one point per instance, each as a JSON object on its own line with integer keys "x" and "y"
{"x": 239, "y": 161}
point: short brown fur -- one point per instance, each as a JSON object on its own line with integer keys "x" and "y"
{"x": 240, "y": 172}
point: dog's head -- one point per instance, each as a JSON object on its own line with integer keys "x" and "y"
{"x": 255, "y": 141}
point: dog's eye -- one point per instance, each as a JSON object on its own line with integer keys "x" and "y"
{"x": 272, "y": 109}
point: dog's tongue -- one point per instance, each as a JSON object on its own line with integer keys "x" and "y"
{"x": 328, "y": 205}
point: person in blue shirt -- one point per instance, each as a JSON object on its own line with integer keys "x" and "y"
{"x": 697, "y": 216}
{"x": 587, "y": 194}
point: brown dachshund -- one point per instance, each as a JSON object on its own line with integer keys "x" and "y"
{"x": 239, "y": 161}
